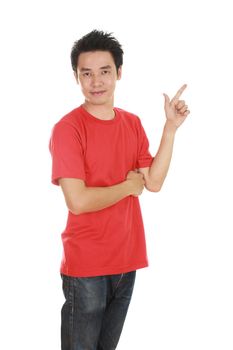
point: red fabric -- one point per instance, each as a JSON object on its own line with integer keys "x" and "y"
{"x": 101, "y": 152}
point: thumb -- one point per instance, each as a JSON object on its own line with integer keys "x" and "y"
{"x": 166, "y": 100}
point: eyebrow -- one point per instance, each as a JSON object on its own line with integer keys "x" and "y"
{"x": 89, "y": 69}
{"x": 106, "y": 67}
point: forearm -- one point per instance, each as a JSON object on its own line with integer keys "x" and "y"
{"x": 160, "y": 165}
{"x": 97, "y": 198}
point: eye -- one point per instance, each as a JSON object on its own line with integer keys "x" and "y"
{"x": 87, "y": 74}
{"x": 104, "y": 72}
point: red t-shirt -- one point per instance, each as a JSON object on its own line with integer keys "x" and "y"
{"x": 101, "y": 152}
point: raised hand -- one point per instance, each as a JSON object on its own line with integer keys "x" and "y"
{"x": 176, "y": 110}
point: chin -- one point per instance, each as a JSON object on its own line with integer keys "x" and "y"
{"x": 99, "y": 101}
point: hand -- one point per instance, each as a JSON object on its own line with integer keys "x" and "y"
{"x": 176, "y": 110}
{"x": 136, "y": 182}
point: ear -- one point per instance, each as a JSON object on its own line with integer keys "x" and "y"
{"x": 119, "y": 73}
{"x": 76, "y": 76}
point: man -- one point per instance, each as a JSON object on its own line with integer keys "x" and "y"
{"x": 102, "y": 162}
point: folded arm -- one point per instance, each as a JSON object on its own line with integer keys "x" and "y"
{"x": 81, "y": 199}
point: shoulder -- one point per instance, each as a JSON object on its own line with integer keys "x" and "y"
{"x": 125, "y": 113}
{"x": 67, "y": 132}
{"x": 73, "y": 117}
{"x": 69, "y": 123}
{"x": 128, "y": 116}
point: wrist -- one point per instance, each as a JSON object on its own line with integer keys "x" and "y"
{"x": 170, "y": 128}
{"x": 128, "y": 187}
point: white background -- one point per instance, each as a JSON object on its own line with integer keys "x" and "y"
{"x": 184, "y": 299}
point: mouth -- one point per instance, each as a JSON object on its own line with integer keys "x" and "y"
{"x": 98, "y": 93}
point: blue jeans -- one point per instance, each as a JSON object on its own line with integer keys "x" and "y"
{"x": 94, "y": 312}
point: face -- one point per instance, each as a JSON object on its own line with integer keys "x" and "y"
{"x": 97, "y": 76}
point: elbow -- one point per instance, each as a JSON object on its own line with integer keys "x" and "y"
{"x": 75, "y": 208}
{"x": 154, "y": 187}
{"x": 74, "y": 191}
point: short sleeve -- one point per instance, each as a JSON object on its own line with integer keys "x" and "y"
{"x": 144, "y": 156}
{"x": 67, "y": 153}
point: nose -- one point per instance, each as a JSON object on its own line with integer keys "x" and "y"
{"x": 96, "y": 80}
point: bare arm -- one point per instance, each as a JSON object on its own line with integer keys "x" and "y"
{"x": 81, "y": 199}
{"x": 176, "y": 112}
{"x": 156, "y": 174}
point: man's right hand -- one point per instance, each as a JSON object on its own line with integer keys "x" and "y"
{"x": 136, "y": 182}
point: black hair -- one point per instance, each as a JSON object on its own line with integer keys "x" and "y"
{"x": 97, "y": 41}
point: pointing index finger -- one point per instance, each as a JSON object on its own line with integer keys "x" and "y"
{"x": 179, "y": 92}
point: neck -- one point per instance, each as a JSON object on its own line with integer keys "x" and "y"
{"x": 104, "y": 111}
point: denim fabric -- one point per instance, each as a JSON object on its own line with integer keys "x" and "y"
{"x": 94, "y": 312}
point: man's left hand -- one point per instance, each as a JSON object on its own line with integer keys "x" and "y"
{"x": 176, "y": 110}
